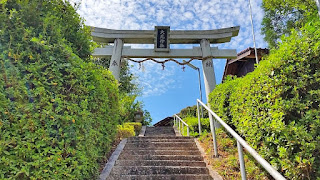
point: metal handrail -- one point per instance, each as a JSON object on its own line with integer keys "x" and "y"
{"x": 177, "y": 118}
{"x": 240, "y": 143}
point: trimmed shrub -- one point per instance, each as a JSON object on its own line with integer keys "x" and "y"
{"x": 220, "y": 98}
{"x": 125, "y": 131}
{"x": 137, "y": 126}
{"x": 194, "y": 127}
{"x": 58, "y": 111}
{"x": 276, "y": 107}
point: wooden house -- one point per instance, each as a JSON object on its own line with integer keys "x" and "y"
{"x": 244, "y": 63}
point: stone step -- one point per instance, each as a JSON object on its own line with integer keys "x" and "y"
{"x": 161, "y": 134}
{"x": 159, "y": 163}
{"x": 148, "y": 170}
{"x": 162, "y": 177}
{"x": 161, "y": 144}
{"x": 159, "y": 140}
{"x": 134, "y": 152}
{"x": 158, "y": 129}
{"x": 155, "y": 131}
{"x": 161, "y": 137}
{"x": 160, "y": 148}
{"x": 162, "y": 157}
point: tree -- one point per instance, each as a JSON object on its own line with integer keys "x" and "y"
{"x": 283, "y": 15}
{"x": 129, "y": 91}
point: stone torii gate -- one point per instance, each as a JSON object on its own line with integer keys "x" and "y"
{"x": 162, "y": 37}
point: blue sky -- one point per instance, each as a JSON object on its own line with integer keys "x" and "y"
{"x": 166, "y": 92}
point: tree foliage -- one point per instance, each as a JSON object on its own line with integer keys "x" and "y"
{"x": 58, "y": 110}
{"x": 191, "y": 111}
{"x": 129, "y": 91}
{"x": 276, "y": 108}
{"x": 283, "y": 15}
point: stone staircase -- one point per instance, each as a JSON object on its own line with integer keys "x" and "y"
{"x": 160, "y": 155}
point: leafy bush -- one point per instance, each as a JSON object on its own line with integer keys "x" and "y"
{"x": 125, "y": 131}
{"x": 137, "y": 126}
{"x": 191, "y": 111}
{"x": 220, "y": 98}
{"x": 194, "y": 127}
{"x": 276, "y": 108}
{"x": 58, "y": 111}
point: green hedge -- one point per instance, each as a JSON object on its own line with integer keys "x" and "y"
{"x": 58, "y": 111}
{"x": 276, "y": 107}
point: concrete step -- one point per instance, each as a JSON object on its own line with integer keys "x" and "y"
{"x": 134, "y": 152}
{"x": 162, "y": 157}
{"x": 159, "y": 163}
{"x": 160, "y": 144}
{"x": 161, "y": 137}
{"x": 148, "y": 170}
{"x": 164, "y": 128}
{"x": 162, "y": 177}
{"x": 154, "y": 131}
{"x": 160, "y": 148}
{"x": 130, "y": 140}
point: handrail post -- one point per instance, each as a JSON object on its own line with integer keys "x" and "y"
{"x": 188, "y": 131}
{"x": 199, "y": 120}
{"x": 176, "y": 122}
{"x": 241, "y": 160}
{"x": 243, "y": 144}
{"x": 214, "y": 139}
{"x": 182, "y": 129}
{"x": 179, "y": 125}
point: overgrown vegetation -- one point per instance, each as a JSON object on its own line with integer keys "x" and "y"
{"x": 276, "y": 107}
{"x": 58, "y": 111}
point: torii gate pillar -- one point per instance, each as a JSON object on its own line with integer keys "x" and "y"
{"x": 115, "y": 62}
{"x": 207, "y": 66}
{"x": 208, "y": 74}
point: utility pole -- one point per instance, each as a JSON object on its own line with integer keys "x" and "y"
{"x": 253, "y": 36}
{"x": 199, "y": 77}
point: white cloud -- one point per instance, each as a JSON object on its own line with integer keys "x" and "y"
{"x": 188, "y": 15}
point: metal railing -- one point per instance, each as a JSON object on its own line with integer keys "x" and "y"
{"x": 177, "y": 120}
{"x": 241, "y": 143}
